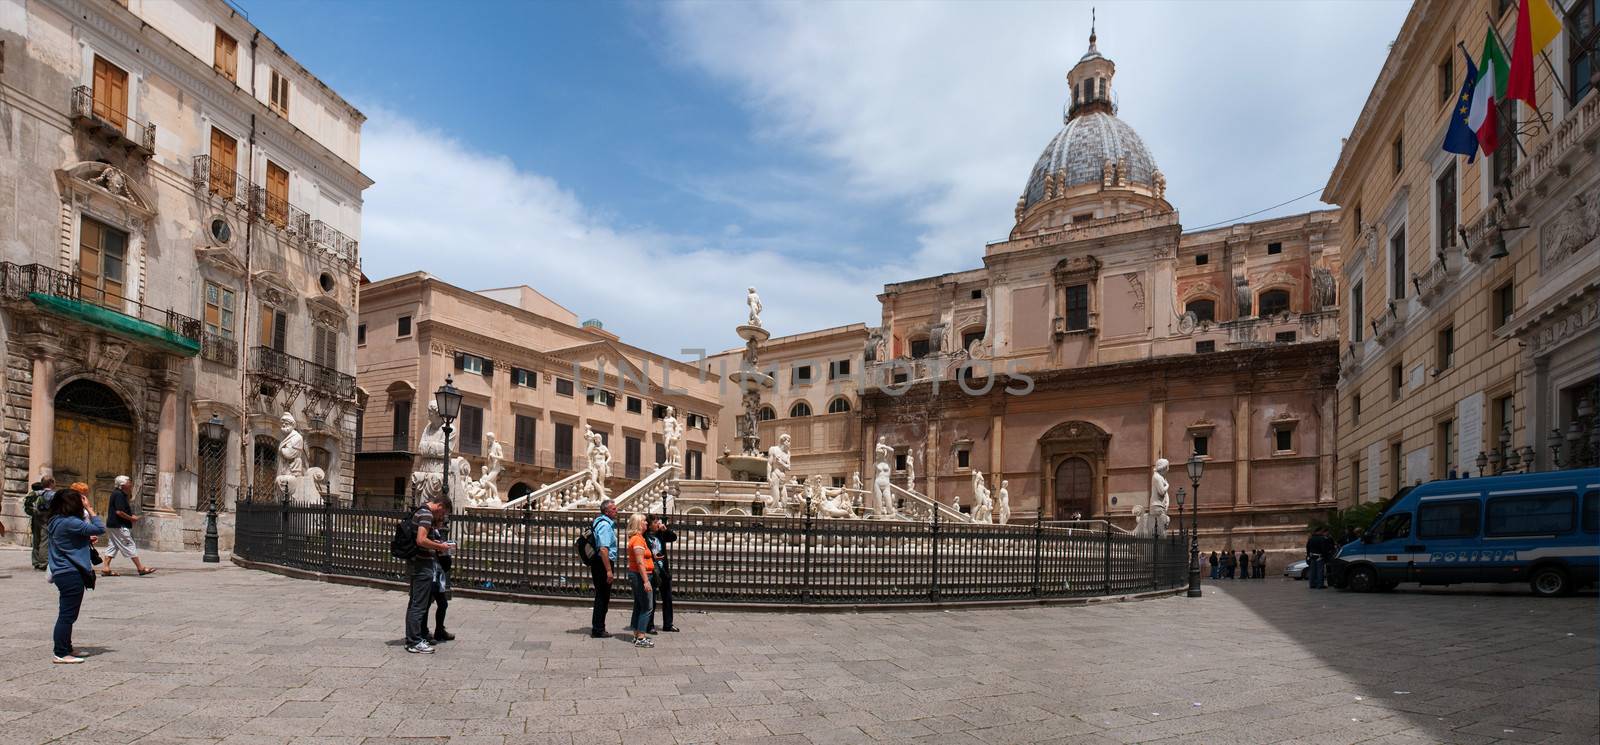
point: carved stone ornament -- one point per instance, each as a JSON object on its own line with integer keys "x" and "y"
{"x": 109, "y": 356}
{"x": 1576, "y": 225}
{"x": 1561, "y": 328}
{"x": 1077, "y": 267}
{"x": 93, "y": 179}
{"x": 1324, "y": 288}
{"x": 1136, "y": 286}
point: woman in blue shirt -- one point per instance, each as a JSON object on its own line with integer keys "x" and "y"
{"x": 71, "y": 525}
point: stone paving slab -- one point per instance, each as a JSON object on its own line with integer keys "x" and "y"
{"x": 218, "y": 655}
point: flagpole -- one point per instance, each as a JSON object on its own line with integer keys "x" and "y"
{"x": 1502, "y": 41}
{"x": 1566, "y": 95}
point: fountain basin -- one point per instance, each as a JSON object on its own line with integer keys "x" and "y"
{"x": 746, "y": 468}
{"x": 753, "y": 333}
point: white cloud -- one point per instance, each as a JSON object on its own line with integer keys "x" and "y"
{"x": 476, "y": 220}
{"x": 946, "y": 106}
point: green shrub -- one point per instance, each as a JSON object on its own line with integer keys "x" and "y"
{"x": 1359, "y": 517}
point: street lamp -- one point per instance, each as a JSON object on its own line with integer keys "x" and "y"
{"x": 215, "y": 434}
{"x": 448, "y": 401}
{"x": 1196, "y": 467}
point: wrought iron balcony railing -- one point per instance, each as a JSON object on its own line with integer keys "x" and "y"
{"x": 285, "y": 367}
{"x": 219, "y": 350}
{"x": 102, "y": 118}
{"x": 221, "y": 181}
{"x": 325, "y": 237}
{"x": 399, "y": 442}
{"x": 63, "y": 293}
{"x": 279, "y": 213}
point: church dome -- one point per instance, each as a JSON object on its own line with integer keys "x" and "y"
{"x": 1080, "y": 152}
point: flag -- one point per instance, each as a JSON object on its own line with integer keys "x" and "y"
{"x": 1482, "y": 116}
{"x": 1519, "y": 86}
{"x": 1543, "y": 23}
{"x": 1460, "y": 138}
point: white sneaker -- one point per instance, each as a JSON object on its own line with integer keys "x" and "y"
{"x": 69, "y": 660}
{"x": 418, "y": 648}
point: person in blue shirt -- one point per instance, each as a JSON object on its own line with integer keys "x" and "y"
{"x": 605, "y": 544}
{"x": 71, "y": 525}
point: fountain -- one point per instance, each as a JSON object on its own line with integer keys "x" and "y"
{"x": 751, "y": 463}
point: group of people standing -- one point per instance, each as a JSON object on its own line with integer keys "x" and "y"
{"x": 1240, "y": 564}
{"x": 649, "y": 572}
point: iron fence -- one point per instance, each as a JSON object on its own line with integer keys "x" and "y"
{"x": 735, "y": 559}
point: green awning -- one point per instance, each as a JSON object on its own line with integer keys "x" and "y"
{"x": 117, "y": 323}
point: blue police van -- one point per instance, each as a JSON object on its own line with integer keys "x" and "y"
{"x": 1539, "y": 528}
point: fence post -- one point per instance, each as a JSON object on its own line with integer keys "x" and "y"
{"x": 327, "y": 535}
{"x": 283, "y": 525}
{"x": 527, "y": 541}
{"x": 805, "y": 583}
{"x": 1108, "y": 557}
{"x": 933, "y": 590}
{"x": 1038, "y": 553}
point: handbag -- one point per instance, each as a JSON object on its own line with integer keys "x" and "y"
{"x": 94, "y": 557}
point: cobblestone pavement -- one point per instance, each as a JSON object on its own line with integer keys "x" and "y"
{"x": 199, "y": 654}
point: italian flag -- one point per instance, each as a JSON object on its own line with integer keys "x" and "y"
{"x": 1491, "y": 88}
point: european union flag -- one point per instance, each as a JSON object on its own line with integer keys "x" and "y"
{"x": 1460, "y": 138}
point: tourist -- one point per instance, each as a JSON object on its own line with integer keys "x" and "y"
{"x": 70, "y": 526}
{"x": 37, "y": 501}
{"x": 1216, "y": 569}
{"x": 601, "y": 571}
{"x": 1318, "y": 549}
{"x": 119, "y": 533}
{"x": 441, "y": 591}
{"x": 1244, "y": 564}
{"x": 660, "y": 535}
{"x": 1260, "y": 563}
{"x": 425, "y": 569}
{"x": 640, "y": 567}
{"x": 1230, "y": 561}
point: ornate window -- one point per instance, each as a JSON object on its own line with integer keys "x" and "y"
{"x": 1204, "y": 309}
{"x": 800, "y": 408}
{"x": 1272, "y": 303}
{"x": 839, "y": 405}
{"x": 766, "y": 414}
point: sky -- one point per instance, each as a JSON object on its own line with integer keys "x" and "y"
{"x": 643, "y": 163}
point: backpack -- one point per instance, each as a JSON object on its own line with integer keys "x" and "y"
{"x": 588, "y": 552}
{"x": 404, "y": 544}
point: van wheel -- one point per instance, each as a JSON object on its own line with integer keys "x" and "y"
{"x": 1362, "y": 579}
{"x": 1550, "y": 581}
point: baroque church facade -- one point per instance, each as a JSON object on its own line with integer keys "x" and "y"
{"x": 1097, "y": 338}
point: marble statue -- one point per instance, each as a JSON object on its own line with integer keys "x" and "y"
{"x": 598, "y": 467}
{"x": 672, "y": 438}
{"x": 911, "y": 473}
{"x": 490, "y": 476}
{"x": 427, "y": 481}
{"x": 777, "y": 471}
{"x": 1151, "y": 520}
{"x": 1003, "y": 515}
{"x": 982, "y": 504}
{"x": 855, "y": 482}
{"x": 754, "y": 301}
{"x": 294, "y": 478}
{"x": 465, "y": 491}
{"x": 882, "y": 453}
{"x": 814, "y": 492}
{"x": 838, "y": 503}
{"x": 882, "y": 500}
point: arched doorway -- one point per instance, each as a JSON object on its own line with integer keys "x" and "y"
{"x": 1074, "y": 497}
{"x": 94, "y": 438}
{"x": 518, "y": 490}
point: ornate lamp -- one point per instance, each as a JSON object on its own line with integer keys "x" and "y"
{"x": 215, "y": 434}
{"x": 1196, "y": 467}
{"x": 448, "y": 401}
{"x": 1554, "y": 443}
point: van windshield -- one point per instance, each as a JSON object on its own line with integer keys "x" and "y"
{"x": 1387, "y": 505}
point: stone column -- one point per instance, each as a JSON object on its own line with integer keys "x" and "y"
{"x": 1241, "y": 446}
{"x": 929, "y": 462}
{"x": 1158, "y": 428}
{"x": 997, "y": 448}
{"x": 42, "y": 417}
{"x": 167, "y": 449}
{"x": 1325, "y": 447}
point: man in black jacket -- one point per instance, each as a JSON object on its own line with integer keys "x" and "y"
{"x": 1318, "y": 550}
{"x": 659, "y": 535}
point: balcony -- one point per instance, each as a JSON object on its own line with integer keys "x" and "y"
{"x": 1350, "y": 360}
{"x": 114, "y": 126}
{"x": 1389, "y": 323}
{"x": 279, "y": 367}
{"x": 61, "y": 294}
{"x": 219, "y": 181}
{"x": 217, "y": 349}
{"x": 279, "y": 213}
{"x": 324, "y": 237}
{"x": 1568, "y": 145}
{"x": 216, "y": 180}
{"x": 1432, "y": 281}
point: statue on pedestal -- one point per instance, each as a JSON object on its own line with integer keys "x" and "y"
{"x": 293, "y": 476}
{"x": 982, "y": 505}
{"x": 839, "y": 503}
{"x": 882, "y": 500}
{"x": 672, "y": 438}
{"x": 1003, "y": 517}
{"x": 490, "y": 476}
{"x": 911, "y": 473}
{"x": 882, "y": 453}
{"x": 754, "y": 301}
{"x": 1151, "y": 521}
{"x": 777, "y": 473}
{"x": 427, "y": 480}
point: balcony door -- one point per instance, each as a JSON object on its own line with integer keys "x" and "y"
{"x": 224, "y": 159}
{"x": 111, "y": 93}
{"x": 102, "y": 263}
{"x": 277, "y": 194}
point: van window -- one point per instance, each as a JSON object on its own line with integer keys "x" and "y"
{"x": 1591, "y": 512}
{"x": 1529, "y": 514}
{"x": 1455, "y": 518}
{"x": 1395, "y": 526}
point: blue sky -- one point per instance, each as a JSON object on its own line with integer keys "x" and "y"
{"x": 641, "y": 163}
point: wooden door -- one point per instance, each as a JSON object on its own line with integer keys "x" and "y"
{"x": 224, "y": 159}
{"x": 277, "y": 194}
{"x": 102, "y": 262}
{"x": 94, "y": 452}
{"x": 111, "y": 93}
{"x": 1074, "y": 489}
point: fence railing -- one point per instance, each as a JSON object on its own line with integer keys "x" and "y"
{"x": 273, "y": 363}
{"x": 141, "y": 136}
{"x": 214, "y": 348}
{"x": 750, "y": 560}
{"x": 17, "y": 281}
{"x": 218, "y": 179}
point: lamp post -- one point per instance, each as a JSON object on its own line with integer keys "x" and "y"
{"x": 448, "y": 401}
{"x": 215, "y": 435}
{"x": 1196, "y": 467}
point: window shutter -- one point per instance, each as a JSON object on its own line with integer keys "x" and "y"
{"x": 461, "y": 361}
{"x": 280, "y": 330}
{"x": 488, "y": 368}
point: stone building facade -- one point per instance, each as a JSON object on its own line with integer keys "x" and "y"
{"x": 1098, "y": 338}
{"x": 531, "y": 375}
{"x": 1471, "y": 289}
{"x": 178, "y": 227}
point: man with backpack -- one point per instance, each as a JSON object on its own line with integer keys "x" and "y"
{"x": 36, "y": 504}
{"x": 604, "y": 529}
{"x": 425, "y": 546}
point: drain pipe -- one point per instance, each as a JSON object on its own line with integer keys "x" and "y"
{"x": 245, "y": 439}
